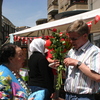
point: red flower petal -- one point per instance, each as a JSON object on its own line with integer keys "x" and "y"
{"x": 54, "y": 30}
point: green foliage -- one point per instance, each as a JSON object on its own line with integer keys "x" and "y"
{"x": 60, "y": 44}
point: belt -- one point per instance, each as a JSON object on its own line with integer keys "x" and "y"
{"x": 69, "y": 93}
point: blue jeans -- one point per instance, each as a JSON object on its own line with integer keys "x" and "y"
{"x": 70, "y": 96}
{"x": 36, "y": 88}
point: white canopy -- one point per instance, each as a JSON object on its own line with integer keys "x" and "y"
{"x": 59, "y": 24}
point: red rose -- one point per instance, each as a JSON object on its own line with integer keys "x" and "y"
{"x": 60, "y": 34}
{"x": 54, "y": 30}
{"x": 63, "y": 41}
{"x": 65, "y": 50}
{"x": 67, "y": 34}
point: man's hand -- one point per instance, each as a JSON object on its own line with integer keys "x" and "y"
{"x": 70, "y": 62}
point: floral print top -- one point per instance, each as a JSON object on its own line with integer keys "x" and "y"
{"x": 10, "y": 87}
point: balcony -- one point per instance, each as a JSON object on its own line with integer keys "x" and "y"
{"x": 77, "y": 5}
{"x": 78, "y": 1}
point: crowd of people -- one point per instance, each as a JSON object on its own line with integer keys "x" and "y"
{"x": 82, "y": 63}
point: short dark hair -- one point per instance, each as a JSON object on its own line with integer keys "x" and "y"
{"x": 6, "y": 51}
{"x": 78, "y": 26}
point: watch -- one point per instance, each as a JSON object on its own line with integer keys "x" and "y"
{"x": 78, "y": 64}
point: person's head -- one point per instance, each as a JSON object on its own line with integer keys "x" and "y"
{"x": 11, "y": 54}
{"x": 37, "y": 45}
{"x": 78, "y": 33}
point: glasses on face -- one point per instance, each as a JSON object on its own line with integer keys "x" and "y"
{"x": 74, "y": 39}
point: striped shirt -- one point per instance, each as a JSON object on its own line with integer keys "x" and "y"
{"x": 76, "y": 81}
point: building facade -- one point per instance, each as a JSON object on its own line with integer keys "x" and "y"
{"x": 21, "y": 28}
{"x": 7, "y": 28}
{"x": 52, "y": 7}
{"x": 1, "y": 22}
{"x": 56, "y": 7}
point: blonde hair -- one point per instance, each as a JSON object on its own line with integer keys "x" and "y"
{"x": 78, "y": 26}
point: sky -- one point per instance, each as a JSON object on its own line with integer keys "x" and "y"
{"x": 24, "y": 12}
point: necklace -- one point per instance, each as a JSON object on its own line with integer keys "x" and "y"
{"x": 23, "y": 84}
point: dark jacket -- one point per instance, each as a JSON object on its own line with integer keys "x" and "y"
{"x": 39, "y": 73}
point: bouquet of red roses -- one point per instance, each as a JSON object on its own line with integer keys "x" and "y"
{"x": 60, "y": 44}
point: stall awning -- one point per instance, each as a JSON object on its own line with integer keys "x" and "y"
{"x": 60, "y": 24}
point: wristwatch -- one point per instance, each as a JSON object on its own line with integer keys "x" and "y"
{"x": 78, "y": 64}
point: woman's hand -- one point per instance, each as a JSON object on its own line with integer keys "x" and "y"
{"x": 52, "y": 95}
{"x": 31, "y": 99}
{"x": 54, "y": 65}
